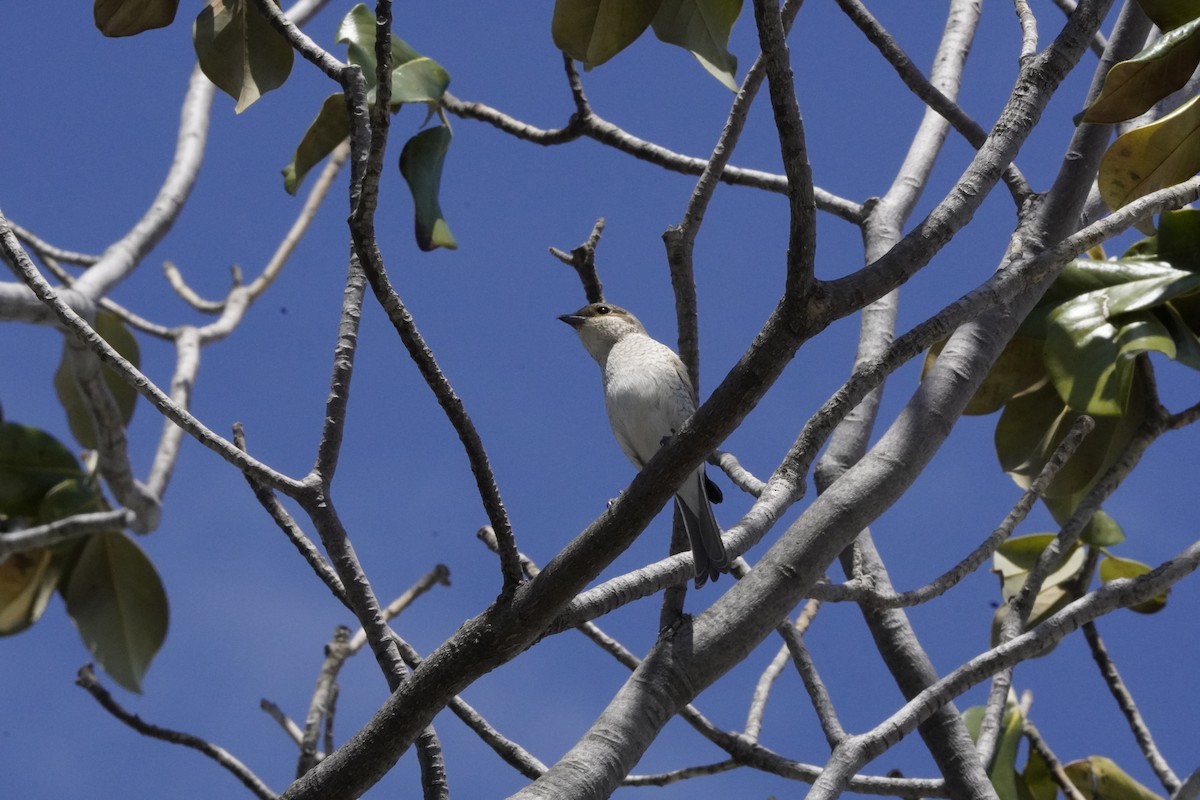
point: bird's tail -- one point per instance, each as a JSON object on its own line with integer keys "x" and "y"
{"x": 704, "y": 534}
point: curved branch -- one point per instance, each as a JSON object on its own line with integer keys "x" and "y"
{"x": 87, "y": 680}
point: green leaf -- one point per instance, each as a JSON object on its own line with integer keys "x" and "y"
{"x": 593, "y": 31}
{"x": 1178, "y": 239}
{"x": 702, "y": 27}
{"x": 1014, "y": 558}
{"x": 32, "y": 462}
{"x": 415, "y": 78}
{"x": 118, "y": 603}
{"x": 1131, "y": 87}
{"x": 129, "y": 17}
{"x": 1170, "y": 14}
{"x": 1003, "y": 770}
{"x": 70, "y": 497}
{"x": 1039, "y": 782}
{"x": 26, "y": 582}
{"x": 421, "y": 80}
{"x": 1101, "y": 530}
{"x": 421, "y": 165}
{"x": 112, "y": 330}
{"x": 1152, "y": 157}
{"x": 1113, "y": 568}
{"x": 1032, "y": 426}
{"x": 239, "y": 51}
{"x": 1091, "y": 340}
{"x": 327, "y": 131}
{"x": 1099, "y": 778}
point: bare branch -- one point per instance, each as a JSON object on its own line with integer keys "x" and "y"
{"x": 87, "y": 679}
{"x": 1029, "y": 33}
{"x": 583, "y": 260}
{"x": 63, "y": 530}
{"x": 1112, "y": 679}
{"x": 857, "y": 750}
{"x": 934, "y": 97}
{"x": 595, "y": 127}
{"x": 84, "y": 332}
{"x": 1038, "y": 744}
{"x": 866, "y": 594}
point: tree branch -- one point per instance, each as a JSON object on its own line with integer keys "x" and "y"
{"x": 87, "y": 680}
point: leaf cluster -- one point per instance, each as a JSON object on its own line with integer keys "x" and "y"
{"x": 245, "y": 57}
{"x": 593, "y": 31}
{"x": 110, "y": 587}
{"x": 1167, "y": 151}
{"x": 1093, "y": 777}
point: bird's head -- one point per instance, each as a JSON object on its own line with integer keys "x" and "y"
{"x": 601, "y": 325}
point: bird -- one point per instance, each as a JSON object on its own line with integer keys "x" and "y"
{"x": 649, "y": 396}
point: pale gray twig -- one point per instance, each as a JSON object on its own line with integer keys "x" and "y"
{"x": 1029, "y": 31}
{"x": 62, "y": 530}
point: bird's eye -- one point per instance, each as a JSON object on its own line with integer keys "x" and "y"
{"x": 603, "y": 310}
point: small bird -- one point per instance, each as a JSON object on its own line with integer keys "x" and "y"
{"x": 649, "y": 396}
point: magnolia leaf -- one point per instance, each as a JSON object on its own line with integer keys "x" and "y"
{"x": 1003, "y": 769}
{"x": 415, "y": 78}
{"x": 112, "y": 330}
{"x": 1015, "y": 557}
{"x": 1099, "y": 778}
{"x": 239, "y": 51}
{"x": 421, "y": 163}
{"x": 117, "y": 601}
{"x": 1152, "y": 157}
{"x": 1091, "y": 340}
{"x": 1039, "y": 781}
{"x": 1187, "y": 346}
{"x": 702, "y": 27}
{"x": 26, "y": 582}
{"x": 1101, "y": 530}
{"x": 130, "y": 17}
{"x": 1132, "y": 87}
{"x": 1113, "y": 568}
{"x": 327, "y": 131}
{"x": 1034, "y": 424}
{"x": 32, "y": 462}
{"x": 593, "y": 31}
{"x": 421, "y": 80}
{"x": 1013, "y": 561}
{"x": 1170, "y": 14}
{"x": 1178, "y": 239}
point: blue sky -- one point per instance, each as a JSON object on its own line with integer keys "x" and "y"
{"x": 89, "y": 135}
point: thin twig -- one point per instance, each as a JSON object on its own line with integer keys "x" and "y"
{"x": 1038, "y": 744}
{"x": 929, "y": 94}
{"x": 592, "y": 126}
{"x": 87, "y": 679}
{"x": 285, "y": 722}
{"x": 869, "y": 596}
{"x": 62, "y": 530}
{"x": 857, "y": 750}
{"x": 1120, "y": 692}
{"x": 1029, "y": 32}
{"x": 582, "y": 259}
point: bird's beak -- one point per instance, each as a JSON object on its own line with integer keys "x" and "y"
{"x": 574, "y": 320}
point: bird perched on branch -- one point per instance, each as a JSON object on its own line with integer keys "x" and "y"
{"x": 649, "y": 396}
